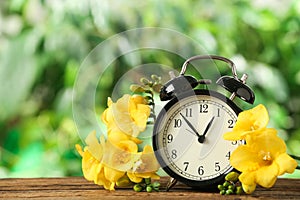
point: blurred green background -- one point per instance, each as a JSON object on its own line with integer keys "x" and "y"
{"x": 44, "y": 42}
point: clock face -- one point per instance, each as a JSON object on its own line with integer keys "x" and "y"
{"x": 187, "y": 137}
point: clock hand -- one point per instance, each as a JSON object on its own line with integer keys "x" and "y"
{"x": 208, "y": 125}
{"x": 190, "y": 125}
{"x": 202, "y": 137}
{"x": 191, "y": 132}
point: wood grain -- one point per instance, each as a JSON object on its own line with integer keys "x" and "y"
{"x": 79, "y": 188}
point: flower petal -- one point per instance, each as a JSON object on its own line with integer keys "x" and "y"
{"x": 244, "y": 159}
{"x": 138, "y": 99}
{"x": 286, "y": 163}
{"x": 249, "y": 189}
{"x": 107, "y": 115}
{"x": 121, "y": 156}
{"x": 244, "y": 121}
{"x": 145, "y": 167}
{"x": 116, "y": 135}
{"x": 254, "y": 118}
{"x": 93, "y": 146}
{"x": 134, "y": 178}
{"x": 248, "y": 181}
{"x": 266, "y": 176}
{"x": 237, "y": 135}
{"x": 112, "y": 175}
{"x": 267, "y": 142}
{"x": 79, "y": 149}
{"x": 101, "y": 180}
{"x": 140, "y": 116}
{"x": 248, "y": 178}
{"x": 138, "y": 176}
{"x": 148, "y": 160}
{"x": 260, "y": 116}
{"x": 90, "y": 166}
{"x": 248, "y": 121}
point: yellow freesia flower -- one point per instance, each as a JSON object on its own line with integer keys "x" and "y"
{"x": 112, "y": 159}
{"x": 262, "y": 160}
{"x": 91, "y": 157}
{"x": 105, "y": 163}
{"x": 248, "y": 122}
{"x": 92, "y": 154}
{"x": 129, "y": 114}
{"x": 145, "y": 167}
{"x": 90, "y": 165}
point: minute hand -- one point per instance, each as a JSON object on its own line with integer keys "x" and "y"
{"x": 190, "y": 125}
{"x": 202, "y": 137}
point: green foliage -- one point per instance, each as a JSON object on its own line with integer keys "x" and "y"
{"x": 43, "y": 43}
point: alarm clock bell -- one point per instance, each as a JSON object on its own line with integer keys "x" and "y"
{"x": 233, "y": 84}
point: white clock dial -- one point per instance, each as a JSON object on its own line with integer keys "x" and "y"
{"x": 188, "y": 137}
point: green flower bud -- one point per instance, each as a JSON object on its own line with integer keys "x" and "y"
{"x": 136, "y": 88}
{"x": 123, "y": 181}
{"x": 155, "y": 184}
{"x": 145, "y": 81}
{"x": 220, "y": 187}
{"x": 239, "y": 190}
{"x": 229, "y": 191}
{"x": 155, "y": 78}
{"x": 232, "y": 176}
{"x": 137, "y": 188}
{"x": 222, "y": 192}
{"x": 149, "y": 188}
{"x": 231, "y": 187}
{"x": 226, "y": 184}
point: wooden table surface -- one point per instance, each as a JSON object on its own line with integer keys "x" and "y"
{"x": 79, "y": 188}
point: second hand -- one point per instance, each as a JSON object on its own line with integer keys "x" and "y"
{"x": 190, "y": 125}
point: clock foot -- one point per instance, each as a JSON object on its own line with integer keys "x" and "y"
{"x": 171, "y": 183}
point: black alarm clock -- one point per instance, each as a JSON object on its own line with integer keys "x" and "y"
{"x": 187, "y": 134}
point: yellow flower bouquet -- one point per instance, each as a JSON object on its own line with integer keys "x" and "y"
{"x": 116, "y": 159}
{"x": 263, "y": 157}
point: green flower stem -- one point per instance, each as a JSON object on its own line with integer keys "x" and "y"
{"x": 147, "y": 181}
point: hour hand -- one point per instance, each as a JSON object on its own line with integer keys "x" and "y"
{"x": 190, "y": 125}
{"x": 202, "y": 137}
